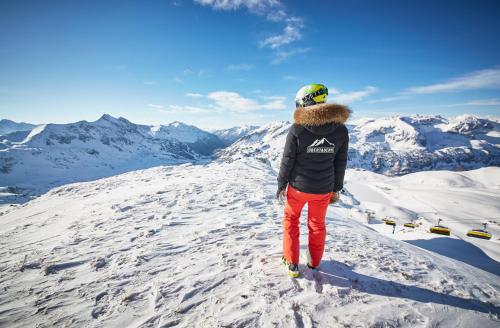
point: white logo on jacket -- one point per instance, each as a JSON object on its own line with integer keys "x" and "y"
{"x": 321, "y": 146}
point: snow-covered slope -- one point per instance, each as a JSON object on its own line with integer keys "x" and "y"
{"x": 59, "y": 153}
{"x": 9, "y": 139}
{"x": 8, "y": 126}
{"x": 228, "y": 136}
{"x": 199, "y": 246}
{"x": 463, "y": 200}
{"x": 396, "y": 145}
{"x": 265, "y": 144}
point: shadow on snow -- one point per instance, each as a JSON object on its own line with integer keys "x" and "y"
{"x": 460, "y": 250}
{"x": 340, "y": 275}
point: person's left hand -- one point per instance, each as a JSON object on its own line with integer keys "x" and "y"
{"x": 334, "y": 198}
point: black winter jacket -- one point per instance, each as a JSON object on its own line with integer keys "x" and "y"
{"x": 315, "y": 155}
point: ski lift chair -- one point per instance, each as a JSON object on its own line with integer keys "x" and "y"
{"x": 409, "y": 224}
{"x": 389, "y": 222}
{"x": 480, "y": 233}
{"x": 440, "y": 230}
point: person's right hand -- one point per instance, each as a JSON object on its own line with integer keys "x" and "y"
{"x": 282, "y": 196}
{"x": 334, "y": 198}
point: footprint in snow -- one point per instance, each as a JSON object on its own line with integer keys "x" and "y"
{"x": 55, "y": 268}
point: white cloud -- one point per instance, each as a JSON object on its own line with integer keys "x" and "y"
{"x": 482, "y": 79}
{"x": 282, "y": 55}
{"x": 484, "y": 102}
{"x": 291, "y": 33}
{"x": 222, "y": 101}
{"x": 333, "y": 91}
{"x": 277, "y": 15}
{"x": 388, "y": 99}
{"x": 240, "y": 67}
{"x": 259, "y": 7}
{"x": 477, "y": 102}
{"x": 290, "y": 78}
{"x": 272, "y": 10}
{"x": 194, "y": 95}
{"x": 273, "y": 98}
{"x": 350, "y": 97}
{"x": 274, "y": 102}
{"x": 156, "y": 106}
{"x": 233, "y": 101}
{"x": 149, "y": 82}
{"x": 175, "y": 109}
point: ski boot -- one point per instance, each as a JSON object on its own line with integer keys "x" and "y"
{"x": 309, "y": 261}
{"x": 293, "y": 268}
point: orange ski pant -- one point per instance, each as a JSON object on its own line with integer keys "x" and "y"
{"x": 317, "y": 205}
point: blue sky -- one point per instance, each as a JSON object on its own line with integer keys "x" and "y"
{"x": 221, "y": 63}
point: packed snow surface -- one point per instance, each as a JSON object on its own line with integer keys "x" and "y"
{"x": 462, "y": 200}
{"x": 200, "y": 245}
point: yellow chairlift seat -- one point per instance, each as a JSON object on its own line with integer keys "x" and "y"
{"x": 410, "y": 225}
{"x": 440, "y": 230}
{"x": 479, "y": 233}
{"x": 390, "y": 222}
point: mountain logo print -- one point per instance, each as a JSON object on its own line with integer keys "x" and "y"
{"x": 321, "y": 146}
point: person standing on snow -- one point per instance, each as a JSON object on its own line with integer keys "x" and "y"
{"x": 312, "y": 171}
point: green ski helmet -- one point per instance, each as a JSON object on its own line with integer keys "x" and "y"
{"x": 311, "y": 94}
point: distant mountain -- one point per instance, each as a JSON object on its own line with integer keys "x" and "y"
{"x": 60, "y": 153}
{"x": 228, "y": 136}
{"x": 8, "y": 126}
{"x": 393, "y": 146}
{"x": 55, "y": 154}
{"x": 200, "y": 141}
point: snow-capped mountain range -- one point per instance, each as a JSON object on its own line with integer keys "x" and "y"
{"x": 55, "y": 154}
{"x": 60, "y": 153}
{"x": 395, "y": 145}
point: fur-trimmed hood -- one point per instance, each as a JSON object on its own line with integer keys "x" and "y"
{"x": 321, "y": 114}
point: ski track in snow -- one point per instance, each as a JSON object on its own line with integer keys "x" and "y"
{"x": 199, "y": 246}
